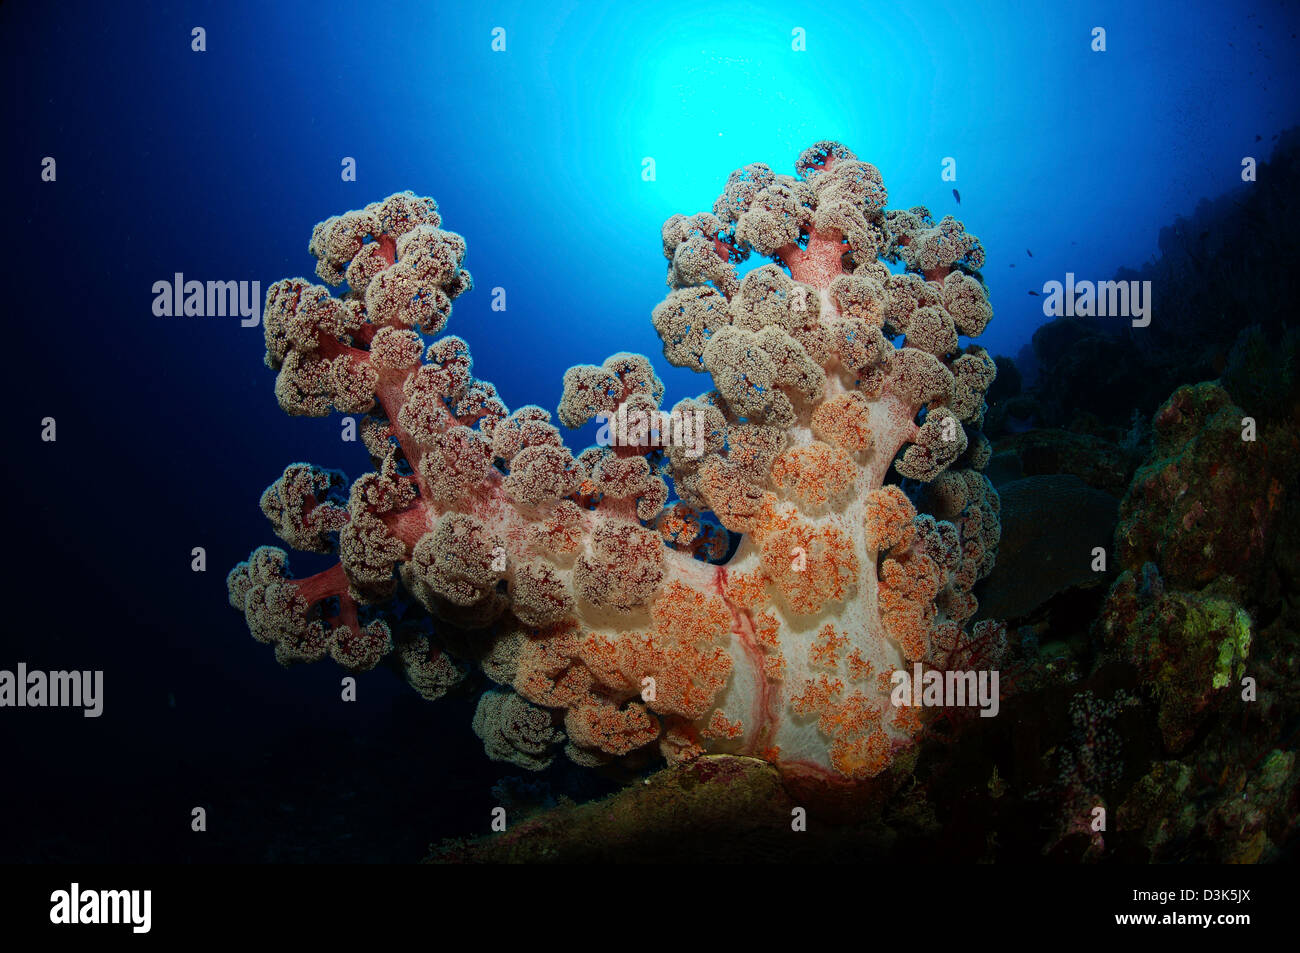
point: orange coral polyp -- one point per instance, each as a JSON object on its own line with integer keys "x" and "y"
{"x": 845, "y": 421}
{"x": 815, "y": 473}
{"x": 610, "y": 729}
{"x": 862, "y": 756}
{"x": 721, "y": 727}
{"x": 674, "y": 676}
{"x": 690, "y": 616}
{"x": 811, "y": 565}
{"x": 888, "y": 517}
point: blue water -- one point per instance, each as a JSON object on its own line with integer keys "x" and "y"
{"x": 218, "y": 164}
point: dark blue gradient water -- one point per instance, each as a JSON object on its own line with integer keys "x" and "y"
{"x": 217, "y": 165}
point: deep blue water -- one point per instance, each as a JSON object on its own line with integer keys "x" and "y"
{"x": 218, "y": 164}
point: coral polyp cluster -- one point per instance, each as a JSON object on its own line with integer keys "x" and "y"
{"x": 751, "y": 589}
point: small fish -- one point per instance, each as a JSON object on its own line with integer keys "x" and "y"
{"x": 957, "y": 196}
{"x": 1011, "y": 265}
{"x": 1029, "y": 253}
{"x": 1257, "y": 138}
{"x": 1035, "y": 294}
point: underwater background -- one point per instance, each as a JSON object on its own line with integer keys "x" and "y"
{"x": 217, "y": 165}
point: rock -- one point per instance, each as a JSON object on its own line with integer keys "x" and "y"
{"x": 1098, "y": 463}
{"x": 721, "y": 808}
{"x": 1050, "y": 526}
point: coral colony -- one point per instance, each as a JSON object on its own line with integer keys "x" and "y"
{"x": 766, "y": 608}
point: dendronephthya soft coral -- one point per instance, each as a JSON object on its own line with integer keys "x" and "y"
{"x": 599, "y": 607}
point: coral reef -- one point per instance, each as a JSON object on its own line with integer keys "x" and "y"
{"x": 590, "y": 595}
{"x": 1203, "y": 611}
{"x": 727, "y": 808}
{"x": 1197, "y": 533}
{"x": 1085, "y": 767}
{"x": 1206, "y": 504}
